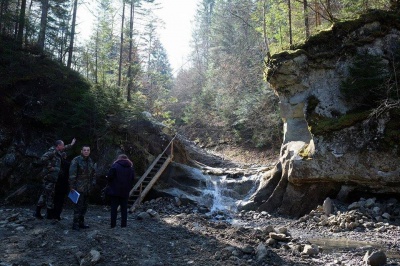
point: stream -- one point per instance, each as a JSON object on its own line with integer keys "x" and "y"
{"x": 223, "y": 195}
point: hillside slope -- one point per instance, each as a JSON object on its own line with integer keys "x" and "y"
{"x": 42, "y": 101}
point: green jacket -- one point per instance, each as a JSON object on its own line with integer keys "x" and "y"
{"x": 82, "y": 174}
{"x": 51, "y": 161}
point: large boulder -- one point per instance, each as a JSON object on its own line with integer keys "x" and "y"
{"x": 316, "y": 160}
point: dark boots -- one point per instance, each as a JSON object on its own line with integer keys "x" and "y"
{"x": 79, "y": 224}
{"x": 57, "y": 215}
{"x": 82, "y": 224}
{"x": 37, "y": 213}
{"x": 78, "y": 227}
{"x": 50, "y": 214}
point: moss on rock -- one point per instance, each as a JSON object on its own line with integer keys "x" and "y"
{"x": 320, "y": 125}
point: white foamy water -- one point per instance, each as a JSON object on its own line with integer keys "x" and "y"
{"x": 218, "y": 192}
{"x": 224, "y": 194}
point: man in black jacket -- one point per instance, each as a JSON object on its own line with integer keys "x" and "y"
{"x": 120, "y": 181}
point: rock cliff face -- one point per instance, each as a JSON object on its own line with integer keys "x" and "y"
{"x": 352, "y": 157}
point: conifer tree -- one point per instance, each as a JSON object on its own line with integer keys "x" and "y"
{"x": 71, "y": 42}
{"x": 43, "y": 24}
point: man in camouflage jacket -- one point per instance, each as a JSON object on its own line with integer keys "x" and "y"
{"x": 51, "y": 161}
{"x": 82, "y": 179}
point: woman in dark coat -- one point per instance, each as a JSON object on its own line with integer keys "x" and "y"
{"x": 120, "y": 181}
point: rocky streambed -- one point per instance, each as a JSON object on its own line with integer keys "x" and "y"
{"x": 166, "y": 232}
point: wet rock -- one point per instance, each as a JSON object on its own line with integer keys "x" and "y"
{"x": 248, "y": 249}
{"x": 271, "y": 242}
{"x": 143, "y": 216}
{"x": 282, "y": 230}
{"x": 377, "y": 258}
{"x": 279, "y": 237}
{"x": 310, "y": 250}
{"x": 344, "y": 192}
{"x": 177, "y": 202}
{"x": 268, "y": 229}
{"x": 370, "y": 202}
{"x": 356, "y": 218}
{"x": 327, "y": 206}
{"x": 91, "y": 259}
{"x": 227, "y": 252}
{"x": 153, "y": 214}
{"x": 353, "y": 206}
{"x": 203, "y": 209}
{"x": 295, "y": 247}
{"x": 261, "y": 252}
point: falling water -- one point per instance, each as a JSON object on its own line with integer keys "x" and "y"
{"x": 223, "y": 194}
{"x": 218, "y": 191}
{"x": 219, "y": 194}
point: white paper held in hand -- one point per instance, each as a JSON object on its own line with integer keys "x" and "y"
{"x": 74, "y": 196}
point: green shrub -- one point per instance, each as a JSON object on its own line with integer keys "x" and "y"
{"x": 366, "y": 84}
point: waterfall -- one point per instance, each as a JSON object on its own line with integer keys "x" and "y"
{"x": 218, "y": 197}
{"x": 217, "y": 194}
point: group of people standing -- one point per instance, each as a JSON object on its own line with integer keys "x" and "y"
{"x": 61, "y": 177}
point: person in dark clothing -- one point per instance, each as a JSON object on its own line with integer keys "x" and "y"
{"x": 82, "y": 179}
{"x": 120, "y": 181}
{"x": 62, "y": 187}
{"x": 51, "y": 167}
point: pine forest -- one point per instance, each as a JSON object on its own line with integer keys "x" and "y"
{"x": 219, "y": 93}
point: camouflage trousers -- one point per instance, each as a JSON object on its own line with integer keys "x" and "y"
{"x": 47, "y": 196}
{"x": 80, "y": 209}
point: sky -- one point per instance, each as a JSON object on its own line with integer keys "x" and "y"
{"x": 178, "y": 16}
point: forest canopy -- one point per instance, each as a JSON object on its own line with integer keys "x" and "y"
{"x": 219, "y": 95}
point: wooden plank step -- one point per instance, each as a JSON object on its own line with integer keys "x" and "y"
{"x": 148, "y": 179}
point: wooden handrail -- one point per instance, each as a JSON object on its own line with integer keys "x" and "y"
{"x": 139, "y": 182}
{"x": 170, "y": 144}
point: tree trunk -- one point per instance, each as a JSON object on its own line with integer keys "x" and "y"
{"x": 16, "y": 20}
{"x": 71, "y": 43}
{"x": 96, "y": 55}
{"x": 2, "y": 5}
{"x": 26, "y": 24}
{"x": 130, "y": 78}
{"x": 21, "y": 23}
{"x": 317, "y": 14}
{"x": 4, "y": 8}
{"x": 290, "y": 24}
{"x": 121, "y": 45}
{"x": 306, "y": 20}
{"x": 329, "y": 11}
{"x": 87, "y": 63}
{"x": 43, "y": 24}
{"x": 265, "y": 37}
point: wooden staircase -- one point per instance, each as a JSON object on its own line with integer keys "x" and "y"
{"x": 150, "y": 177}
